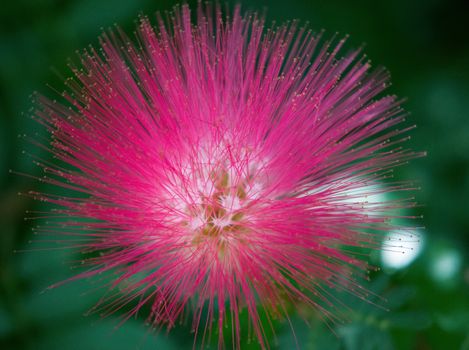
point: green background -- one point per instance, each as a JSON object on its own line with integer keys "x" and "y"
{"x": 425, "y": 46}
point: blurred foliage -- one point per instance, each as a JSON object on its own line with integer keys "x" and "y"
{"x": 425, "y": 46}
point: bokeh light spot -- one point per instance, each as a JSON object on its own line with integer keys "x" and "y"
{"x": 401, "y": 248}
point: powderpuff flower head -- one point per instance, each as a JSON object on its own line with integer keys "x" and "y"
{"x": 217, "y": 166}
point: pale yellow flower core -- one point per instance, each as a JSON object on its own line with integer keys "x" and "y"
{"x": 220, "y": 214}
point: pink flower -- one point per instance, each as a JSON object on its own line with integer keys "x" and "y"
{"x": 220, "y": 166}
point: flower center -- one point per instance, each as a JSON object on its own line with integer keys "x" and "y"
{"x": 219, "y": 214}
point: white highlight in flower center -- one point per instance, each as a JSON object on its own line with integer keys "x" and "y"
{"x": 231, "y": 203}
{"x": 197, "y": 222}
{"x": 222, "y": 222}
